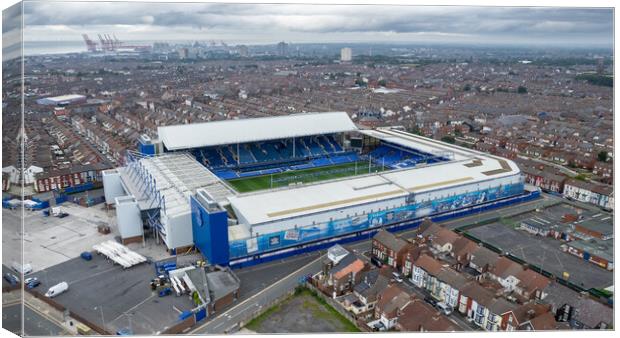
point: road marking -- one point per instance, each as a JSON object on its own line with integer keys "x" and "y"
{"x": 91, "y": 276}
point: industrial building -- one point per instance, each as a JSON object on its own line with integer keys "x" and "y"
{"x": 62, "y": 100}
{"x": 182, "y": 185}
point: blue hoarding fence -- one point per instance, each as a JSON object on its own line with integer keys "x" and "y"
{"x": 326, "y": 242}
{"x": 439, "y": 209}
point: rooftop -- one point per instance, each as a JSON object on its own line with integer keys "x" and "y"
{"x": 176, "y": 176}
{"x": 208, "y": 134}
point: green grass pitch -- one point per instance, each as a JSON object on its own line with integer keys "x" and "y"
{"x": 306, "y": 176}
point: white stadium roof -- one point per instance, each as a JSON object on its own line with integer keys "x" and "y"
{"x": 207, "y": 134}
{"x": 468, "y": 166}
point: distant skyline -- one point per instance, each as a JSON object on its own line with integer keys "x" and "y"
{"x": 265, "y": 24}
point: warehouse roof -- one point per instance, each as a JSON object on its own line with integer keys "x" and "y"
{"x": 61, "y": 99}
{"x": 207, "y": 134}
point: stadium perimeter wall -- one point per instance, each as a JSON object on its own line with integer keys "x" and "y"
{"x": 325, "y": 243}
{"x": 420, "y": 204}
{"x": 269, "y": 246}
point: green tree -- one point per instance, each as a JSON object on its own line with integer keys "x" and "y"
{"x": 382, "y": 83}
{"x": 448, "y": 139}
{"x": 467, "y": 87}
{"x": 522, "y": 90}
{"x": 602, "y": 156}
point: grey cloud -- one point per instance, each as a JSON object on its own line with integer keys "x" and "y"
{"x": 318, "y": 19}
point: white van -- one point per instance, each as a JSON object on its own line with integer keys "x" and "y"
{"x": 57, "y": 289}
{"x": 24, "y": 269}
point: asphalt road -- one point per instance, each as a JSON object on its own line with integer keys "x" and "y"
{"x": 34, "y": 323}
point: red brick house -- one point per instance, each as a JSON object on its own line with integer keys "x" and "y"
{"x": 389, "y": 249}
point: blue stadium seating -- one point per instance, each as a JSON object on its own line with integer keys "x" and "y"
{"x": 270, "y": 157}
{"x": 324, "y": 141}
{"x": 334, "y": 143}
{"x": 301, "y": 149}
{"x": 399, "y": 158}
{"x": 245, "y": 155}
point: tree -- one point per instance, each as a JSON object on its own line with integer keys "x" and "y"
{"x": 382, "y": 83}
{"x": 416, "y": 130}
{"x": 602, "y": 156}
{"x": 467, "y": 87}
{"x": 448, "y": 139}
{"x": 522, "y": 90}
{"x": 580, "y": 177}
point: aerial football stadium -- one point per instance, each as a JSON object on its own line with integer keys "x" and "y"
{"x": 252, "y": 190}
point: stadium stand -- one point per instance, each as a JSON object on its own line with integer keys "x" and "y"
{"x": 396, "y": 157}
{"x": 268, "y": 157}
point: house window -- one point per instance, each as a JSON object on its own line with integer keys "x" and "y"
{"x": 490, "y": 326}
{"x": 478, "y": 318}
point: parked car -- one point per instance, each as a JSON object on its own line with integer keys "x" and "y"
{"x": 11, "y": 278}
{"x": 86, "y": 255}
{"x": 397, "y": 277}
{"x": 445, "y": 308}
{"x": 33, "y": 284}
{"x": 430, "y": 300}
{"x": 30, "y": 279}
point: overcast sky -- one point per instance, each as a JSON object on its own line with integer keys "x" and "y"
{"x": 260, "y": 24}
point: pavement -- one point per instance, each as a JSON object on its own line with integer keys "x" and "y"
{"x": 49, "y": 241}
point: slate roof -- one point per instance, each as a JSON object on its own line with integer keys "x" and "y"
{"x": 390, "y": 240}
{"x": 588, "y": 311}
{"x": 483, "y": 256}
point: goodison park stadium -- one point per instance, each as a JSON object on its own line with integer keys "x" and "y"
{"x": 252, "y": 190}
